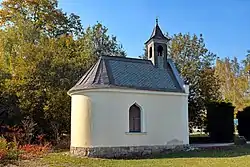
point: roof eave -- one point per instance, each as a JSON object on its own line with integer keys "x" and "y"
{"x": 152, "y": 38}
{"x": 75, "y": 90}
{"x": 176, "y": 74}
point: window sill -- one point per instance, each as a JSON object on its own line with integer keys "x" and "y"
{"x": 135, "y": 133}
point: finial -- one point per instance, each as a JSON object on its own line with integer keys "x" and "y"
{"x": 157, "y": 20}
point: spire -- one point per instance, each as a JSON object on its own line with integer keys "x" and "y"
{"x": 157, "y": 33}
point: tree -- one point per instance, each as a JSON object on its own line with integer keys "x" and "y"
{"x": 100, "y": 42}
{"x": 195, "y": 64}
{"x": 44, "y": 15}
{"x": 234, "y": 82}
{"x": 9, "y": 109}
{"x": 43, "y": 62}
{"x": 246, "y": 61}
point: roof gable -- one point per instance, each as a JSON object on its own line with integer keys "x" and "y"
{"x": 129, "y": 73}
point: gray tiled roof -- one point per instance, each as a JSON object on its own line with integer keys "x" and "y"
{"x": 130, "y": 73}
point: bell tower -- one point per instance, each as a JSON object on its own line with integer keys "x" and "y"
{"x": 156, "y": 47}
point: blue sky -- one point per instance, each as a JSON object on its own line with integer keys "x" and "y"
{"x": 225, "y": 25}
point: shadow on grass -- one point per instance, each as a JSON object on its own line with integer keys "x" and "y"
{"x": 212, "y": 152}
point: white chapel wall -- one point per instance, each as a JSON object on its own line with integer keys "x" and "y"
{"x": 80, "y": 121}
{"x": 165, "y": 119}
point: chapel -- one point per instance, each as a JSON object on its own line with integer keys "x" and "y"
{"x": 124, "y": 106}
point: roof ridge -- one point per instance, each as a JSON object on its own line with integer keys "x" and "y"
{"x": 120, "y": 58}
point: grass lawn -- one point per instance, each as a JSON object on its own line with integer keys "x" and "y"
{"x": 223, "y": 157}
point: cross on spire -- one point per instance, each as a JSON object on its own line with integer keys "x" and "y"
{"x": 156, "y": 20}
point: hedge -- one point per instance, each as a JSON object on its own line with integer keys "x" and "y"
{"x": 244, "y": 123}
{"x": 220, "y": 121}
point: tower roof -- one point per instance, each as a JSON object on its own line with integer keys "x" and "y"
{"x": 157, "y": 33}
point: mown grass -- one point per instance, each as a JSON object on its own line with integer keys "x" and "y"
{"x": 213, "y": 157}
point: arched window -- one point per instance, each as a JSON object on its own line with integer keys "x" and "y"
{"x": 159, "y": 50}
{"x": 150, "y": 52}
{"x": 134, "y": 118}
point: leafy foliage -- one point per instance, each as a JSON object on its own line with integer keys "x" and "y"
{"x": 233, "y": 82}
{"x": 8, "y": 150}
{"x": 43, "y": 53}
{"x": 100, "y": 42}
{"x": 194, "y": 63}
{"x": 33, "y": 151}
{"x": 44, "y": 15}
{"x": 13, "y": 151}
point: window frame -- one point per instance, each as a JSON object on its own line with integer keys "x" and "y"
{"x": 142, "y": 128}
{"x": 150, "y": 52}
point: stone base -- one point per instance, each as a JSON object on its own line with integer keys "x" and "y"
{"x": 126, "y": 152}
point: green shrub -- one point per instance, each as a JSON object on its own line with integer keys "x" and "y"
{"x": 244, "y": 122}
{"x": 220, "y": 121}
{"x": 11, "y": 150}
{"x": 3, "y": 148}
{"x": 13, "y": 154}
{"x": 3, "y": 143}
